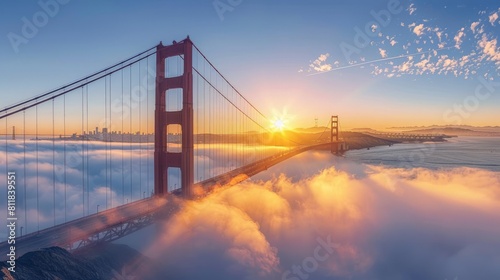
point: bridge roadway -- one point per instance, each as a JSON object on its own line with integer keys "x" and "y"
{"x": 85, "y": 229}
{"x": 407, "y": 137}
{"x": 114, "y": 223}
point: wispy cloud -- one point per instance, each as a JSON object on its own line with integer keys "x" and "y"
{"x": 471, "y": 49}
{"x": 490, "y": 50}
{"x": 320, "y": 65}
{"x": 412, "y": 9}
{"x": 473, "y": 26}
{"x": 493, "y": 18}
{"x": 383, "y": 53}
{"x": 458, "y": 38}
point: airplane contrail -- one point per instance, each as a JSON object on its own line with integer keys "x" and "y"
{"x": 377, "y": 60}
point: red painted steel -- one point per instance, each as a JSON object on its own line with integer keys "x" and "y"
{"x": 164, "y": 159}
{"x": 334, "y": 138}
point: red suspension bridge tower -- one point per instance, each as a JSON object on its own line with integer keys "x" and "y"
{"x": 163, "y": 158}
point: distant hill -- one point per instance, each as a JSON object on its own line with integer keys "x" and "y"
{"x": 455, "y": 131}
{"x": 312, "y": 129}
{"x": 459, "y": 128}
{"x": 365, "y": 130}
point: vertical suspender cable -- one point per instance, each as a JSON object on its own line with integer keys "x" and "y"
{"x": 36, "y": 144}
{"x": 24, "y": 172}
{"x": 110, "y": 147}
{"x": 140, "y": 134}
{"x": 219, "y": 124}
{"x": 212, "y": 130}
{"x": 105, "y": 138}
{"x": 205, "y": 125}
{"x": 130, "y": 134}
{"x": 83, "y": 155}
{"x": 148, "y": 160}
{"x": 53, "y": 162}
{"x": 64, "y": 154}
{"x": 6, "y": 146}
{"x": 87, "y": 147}
{"x": 6, "y": 152}
{"x": 123, "y": 145}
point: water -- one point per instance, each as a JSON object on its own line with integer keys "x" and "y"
{"x": 474, "y": 152}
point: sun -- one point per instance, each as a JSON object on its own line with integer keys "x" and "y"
{"x": 280, "y": 121}
{"x": 279, "y": 124}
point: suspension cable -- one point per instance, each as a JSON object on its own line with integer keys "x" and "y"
{"x": 4, "y": 113}
{"x": 228, "y": 81}
{"x": 76, "y": 82}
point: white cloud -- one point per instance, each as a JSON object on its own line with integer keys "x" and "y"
{"x": 481, "y": 30}
{"x": 406, "y": 66}
{"x": 450, "y": 63}
{"x": 422, "y": 64}
{"x": 412, "y": 9}
{"x": 473, "y": 26}
{"x": 323, "y": 68}
{"x": 490, "y": 50}
{"x": 458, "y": 38}
{"x": 320, "y": 65}
{"x": 493, "y": 18}
{"x": 419, "y": 29}
{"x": 439, "y": 33}
{"x": 464, "y": 60}
{"x": 383, "y": 53}
{"x": 323, "y": 57}
{"x": 377, "y": 71}
{"x": 469, "y": 51}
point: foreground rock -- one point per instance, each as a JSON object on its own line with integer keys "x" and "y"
{"x": 106, "y": 261}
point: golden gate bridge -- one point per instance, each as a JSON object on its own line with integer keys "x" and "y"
{"x": 106, "y": 155}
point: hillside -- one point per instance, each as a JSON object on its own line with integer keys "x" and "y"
{"x": 106, "y": 261}
{"x": 458, "y": 130}
{"x": 455, "y": 131}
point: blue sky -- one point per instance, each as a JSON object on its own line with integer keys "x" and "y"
{"x": 269, "y": 49}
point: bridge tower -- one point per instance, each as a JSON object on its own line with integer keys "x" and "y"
{"x": 334, "y": 135}
{"x": 163, "y": 158}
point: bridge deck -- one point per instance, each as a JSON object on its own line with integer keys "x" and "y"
{"x": 407, "y": 137}
{"x": 67, "y": 234}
